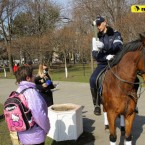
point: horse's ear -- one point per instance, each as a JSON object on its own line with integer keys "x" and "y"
{"x": 142, "y": 37}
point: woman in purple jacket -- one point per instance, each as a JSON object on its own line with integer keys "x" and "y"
{"x": 37, "y": 134}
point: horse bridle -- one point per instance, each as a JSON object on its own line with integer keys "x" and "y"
{"x": 128, "y": 82}
{"x": 139, "y": 72}
{"x": 143, "y": 50}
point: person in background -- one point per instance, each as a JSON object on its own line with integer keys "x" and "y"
{"x": 16, "y": 65}
{"x": 37, "y": 134}
{"x": 44, "y": 84}
{"x": 109, "y": 44}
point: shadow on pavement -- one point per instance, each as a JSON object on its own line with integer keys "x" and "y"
{"x": 86, "y": 138}
{"x": 88, "y": 128}
{"x": 87, "y": 124}
{"x": 137, "y": 129}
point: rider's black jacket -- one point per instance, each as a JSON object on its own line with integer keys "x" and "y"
{"x": 112, "y": 45}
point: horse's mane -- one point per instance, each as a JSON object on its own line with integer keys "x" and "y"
{"x": 130, "y": 46}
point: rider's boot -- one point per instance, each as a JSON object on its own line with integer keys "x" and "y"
{"x": 96, "y": 102}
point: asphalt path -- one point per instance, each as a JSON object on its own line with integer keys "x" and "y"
{"x": 79, "y": 93}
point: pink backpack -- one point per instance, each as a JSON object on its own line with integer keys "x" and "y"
{"x": 17, "y": 114}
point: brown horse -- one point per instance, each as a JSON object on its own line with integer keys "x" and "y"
{"x": 119, "y": 94}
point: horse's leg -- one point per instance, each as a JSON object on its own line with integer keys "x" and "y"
{"x": 105, "y": 119}
{"x": 128, "y": 128}
{"x": 122, "y": 125}
{"x": 112, "y": 127}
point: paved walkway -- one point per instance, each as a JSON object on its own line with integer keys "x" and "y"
{"x": 78, "y": 93}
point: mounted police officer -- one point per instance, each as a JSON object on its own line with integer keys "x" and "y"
{"x": 104, "y": 49}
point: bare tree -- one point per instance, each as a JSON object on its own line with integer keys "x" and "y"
{"x": 45, "y": 15}
{"x": 37, "y": 21}
{"x": 64, "y": 41}
{"x": 117, "y": 14}
{"x": 8, "y": 10}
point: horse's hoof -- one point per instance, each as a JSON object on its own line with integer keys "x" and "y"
{"x": 106, "y": 127}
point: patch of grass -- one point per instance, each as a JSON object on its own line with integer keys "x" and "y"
{"x": 76, "y": 73}
{"x": 8, "y": 76}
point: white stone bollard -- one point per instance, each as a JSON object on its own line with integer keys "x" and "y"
{"x": 65, "y": 121}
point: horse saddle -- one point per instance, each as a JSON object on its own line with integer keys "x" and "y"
{"x": 99, "y": 81}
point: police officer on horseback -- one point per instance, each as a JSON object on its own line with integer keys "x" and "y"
{"x": 104, "y": 49}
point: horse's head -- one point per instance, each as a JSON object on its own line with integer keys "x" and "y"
{"x": 142, "y": 59}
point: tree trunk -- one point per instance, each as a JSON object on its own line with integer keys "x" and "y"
{"x": 10, "y": 57}
{"x": 65, "y": 63}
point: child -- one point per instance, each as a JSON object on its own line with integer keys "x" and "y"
{"x": 37, "y": 134}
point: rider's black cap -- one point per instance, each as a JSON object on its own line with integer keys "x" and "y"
{"x": 99, "y": 20}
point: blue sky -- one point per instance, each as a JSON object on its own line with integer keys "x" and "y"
{"x": 64, "y": 3}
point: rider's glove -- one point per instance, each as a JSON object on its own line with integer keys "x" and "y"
{"x": 94, "y": 46}
{"x": 94, "y": 23}
{"x": 99, "y": 44}
{"x": 109, "y": 57}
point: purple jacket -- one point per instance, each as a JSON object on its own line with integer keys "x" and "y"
{"x": 36, "y": 134}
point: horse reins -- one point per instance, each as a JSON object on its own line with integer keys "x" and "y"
{"x": 119, "y": 78}
{"x": 128, "y": 82}
{"x": 140, "y": 72}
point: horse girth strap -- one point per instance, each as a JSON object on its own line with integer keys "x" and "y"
{"x": 131, "y": 93}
